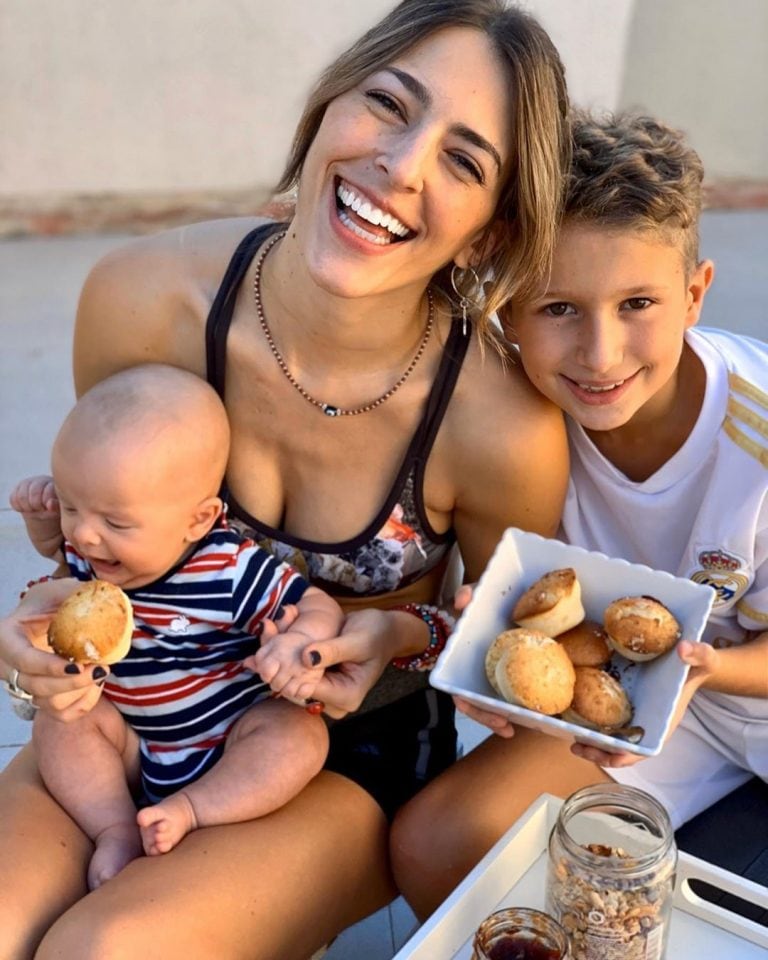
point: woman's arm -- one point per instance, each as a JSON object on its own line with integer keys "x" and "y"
{"x": 510, "y": 465}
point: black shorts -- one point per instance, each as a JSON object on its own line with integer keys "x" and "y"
{"x": 395, "y": 750}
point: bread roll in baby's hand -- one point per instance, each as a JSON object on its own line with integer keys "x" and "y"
{"x": 552, "y": 604}
{"x": 93, "y": 625}
{"x": 534, "y": 671}
{"x": 640, "y": 628}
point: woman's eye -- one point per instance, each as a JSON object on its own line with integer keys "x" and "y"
{"x": 558, "y": 309}
{"x": 463, "y": 161}
{"x": 638, "y": 303}
{"x": 386, "y": 101}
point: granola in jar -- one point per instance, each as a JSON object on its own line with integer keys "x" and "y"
{"x": 611, "y": 873}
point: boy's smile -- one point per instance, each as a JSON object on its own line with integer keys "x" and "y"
{"x": 605, "y": 340}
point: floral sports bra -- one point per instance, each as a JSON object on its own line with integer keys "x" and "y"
{"x": 399, "y": 546}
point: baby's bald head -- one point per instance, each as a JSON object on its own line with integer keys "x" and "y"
{"x": 170, "y": 419}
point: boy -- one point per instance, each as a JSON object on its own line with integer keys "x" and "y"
{"x": 137, "y": 468}
{"x": 668, "y": 430}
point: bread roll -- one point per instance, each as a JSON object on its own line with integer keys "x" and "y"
{"x": 494, "y": 654}
{"x": 586, "y": 644}
{"x": 534, "y": 671}
{"x": 93, "y": 625}
{"x": 552, "y": 604}
{"x": 640, "y": 628}
{"x": 599, "y": 701}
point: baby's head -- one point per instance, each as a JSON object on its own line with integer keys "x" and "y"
{"x": 605, "y": 337}
{"x": 137, "y": 465}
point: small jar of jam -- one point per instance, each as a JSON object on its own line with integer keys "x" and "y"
{"x": 611, "y": 875}
{"x": 519, "y": 933}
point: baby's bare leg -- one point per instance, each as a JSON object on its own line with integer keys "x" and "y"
{"x": 87, "y": 766}
{"x": 272, "y": 752}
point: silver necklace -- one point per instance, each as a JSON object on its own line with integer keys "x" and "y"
{"x": 329, "y": 409}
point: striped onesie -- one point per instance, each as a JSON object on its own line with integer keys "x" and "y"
{"x": 182, "y": 685}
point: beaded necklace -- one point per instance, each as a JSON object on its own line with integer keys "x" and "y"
{"x": 329, "y": 409}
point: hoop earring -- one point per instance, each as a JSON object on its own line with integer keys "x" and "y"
{"x": 465, "y": 302}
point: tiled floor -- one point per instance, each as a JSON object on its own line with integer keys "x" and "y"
{"x": 39, "y": 284}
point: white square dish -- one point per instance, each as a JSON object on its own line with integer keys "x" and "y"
{"x": 520, "y": 558}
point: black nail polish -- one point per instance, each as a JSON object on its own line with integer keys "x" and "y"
{"x": 101, "y": 681}
{"x": 99, "y": 673}
{"x": 314, "y": 657}
{"x": 279, "y": 613}
{"x": 72, "y": 668}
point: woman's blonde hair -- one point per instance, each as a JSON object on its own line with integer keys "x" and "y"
{"x": 513, "y": 259}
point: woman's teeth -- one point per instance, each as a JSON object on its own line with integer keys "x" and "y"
{"x": 365, "y": 210}
{"x": 591, "y": 388}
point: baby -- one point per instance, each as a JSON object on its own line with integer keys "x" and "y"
{"x": 184, "y": 725}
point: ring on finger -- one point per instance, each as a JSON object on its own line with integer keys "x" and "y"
{"x": 12, "y": 686}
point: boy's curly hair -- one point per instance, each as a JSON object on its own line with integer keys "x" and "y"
{"x": 633, "y": 170}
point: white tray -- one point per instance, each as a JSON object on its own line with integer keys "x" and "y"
{"x": 513, "y": 873}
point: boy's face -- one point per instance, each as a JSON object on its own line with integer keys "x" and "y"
{"x": 131, "y": 517}
{"x": 605, "y": 340}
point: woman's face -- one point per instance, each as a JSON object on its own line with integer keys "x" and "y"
{"x": 406, "y": 169}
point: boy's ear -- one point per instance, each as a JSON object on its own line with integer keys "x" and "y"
{"x": 698, "y": 284}
{"x": 205, "y": 515}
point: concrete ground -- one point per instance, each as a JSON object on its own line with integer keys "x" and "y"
{"x": 39, "y": 284}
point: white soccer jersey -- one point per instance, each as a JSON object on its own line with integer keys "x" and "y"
{"x": 704, "y": 514}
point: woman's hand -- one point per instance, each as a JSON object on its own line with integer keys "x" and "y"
{"x": 355, "y": 659}
{"x": 496, "y": 722}
{"x": 63, "y": 689}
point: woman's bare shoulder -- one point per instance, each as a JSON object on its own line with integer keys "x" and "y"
{"x": 147, "y": 301}
{"x": 494, "y": 388}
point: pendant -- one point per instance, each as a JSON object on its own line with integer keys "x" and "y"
{"x": 330, "y": 411}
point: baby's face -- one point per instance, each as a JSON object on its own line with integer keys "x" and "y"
{"x": 127, "y": 519}
{"x": 605, "y": 340}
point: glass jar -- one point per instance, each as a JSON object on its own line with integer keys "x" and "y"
{"x": 519, "y": 933}
{"x": 611, "y": 873}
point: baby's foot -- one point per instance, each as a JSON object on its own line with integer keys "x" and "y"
{"x": 163, "y": 825}
{"x": 115, "y": 847}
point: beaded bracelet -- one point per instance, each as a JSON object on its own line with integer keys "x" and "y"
{"x": 34, "y": 583}
{"x": 440, "y": 625}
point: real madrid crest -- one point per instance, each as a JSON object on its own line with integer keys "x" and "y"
{"x": 721, "y": 571}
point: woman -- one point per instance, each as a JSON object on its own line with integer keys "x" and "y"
{"x": 364, "y": 411}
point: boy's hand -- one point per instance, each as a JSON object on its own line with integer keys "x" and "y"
{"x": 35, "y": 499}
{"x": 702, "y": 659}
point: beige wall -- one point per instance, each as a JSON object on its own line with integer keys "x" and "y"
{"x": 703, "y": 64}
{"x": 163, "y": 95}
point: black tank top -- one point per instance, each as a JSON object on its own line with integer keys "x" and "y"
{"x": 399, "y": 545}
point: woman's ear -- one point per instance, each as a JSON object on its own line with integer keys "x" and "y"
{"x": 480, "y": 248}
{"x": 698, "y": 284}
{"x": 206, "y": 514}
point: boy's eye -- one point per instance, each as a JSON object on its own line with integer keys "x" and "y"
{"x": 560, "y": 309}
{"x": 638, "y": 303}
{"x": 386, "y": 101}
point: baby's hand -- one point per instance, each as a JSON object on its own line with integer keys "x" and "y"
{"x": 35, "y": 499}
{"x": 279, "y": 663}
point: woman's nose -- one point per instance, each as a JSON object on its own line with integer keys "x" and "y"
{"x": 406, "y": 158}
